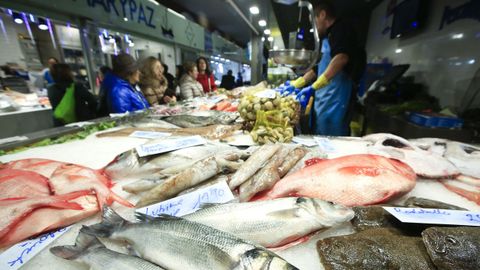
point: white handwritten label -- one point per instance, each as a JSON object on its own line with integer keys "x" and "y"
{"x": 304, "y": 141}
{"x": 435, "y": 216}
{"x": 266, "y": 94}
{"x": 19, "y": 254}
{"x": 149, "y": 134}
{"x": 190, "y": 202}
{"x": 169, "y": 145}
{"x": 325, "y": 144}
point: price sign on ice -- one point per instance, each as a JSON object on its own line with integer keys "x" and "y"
{"x": 268, "y": 93}
{"x": 149, "y": 134}
{"x": 190, "y": 202}
{"x": 19, "y": 254}
{"x": 169, "y": 145}
{"x": 435, "y": 216}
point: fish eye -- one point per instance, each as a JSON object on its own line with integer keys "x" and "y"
{"x": 451, "y": 240}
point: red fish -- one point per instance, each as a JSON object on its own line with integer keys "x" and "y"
{"x": 70, "y": 178}
{"x": 349, "y": 180}
{"x": 14, "y": 210}
{"x": 18, "y": 183}
{"x": 465, "y": 187}
{"x": 46, "y": 219}
{"x": 41, "y": 166}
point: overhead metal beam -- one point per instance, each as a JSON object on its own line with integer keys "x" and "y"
{"x": 240, "y": 13}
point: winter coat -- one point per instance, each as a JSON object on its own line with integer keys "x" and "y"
{"x": 207, "y": 82}
{"x": 190, "y": 88}
{"x": 154, "y": 90}
{"x": 122, "y": 96}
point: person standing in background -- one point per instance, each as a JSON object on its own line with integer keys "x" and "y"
{"x": 47, "y": 77}
{"x": 120, "y": 86}
{"x": 239, "y": 81}
{"x": 170, "y": 78}
{"x": 228, "y": 81}
{"x": 153, "y": 83}
{"x": 102, "y": 109}
{"x": 189, "y": 86}
{"x": 85, "y": 102}
{"x": 205, "y": 76}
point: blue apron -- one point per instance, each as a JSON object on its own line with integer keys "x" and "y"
{"x": 331, "y": 102}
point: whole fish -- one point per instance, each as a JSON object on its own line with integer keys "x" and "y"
{"x": 89, "y": 250}
{"x": 265, "y": 178}
{"x": 176, "y": 243}
{"x": 253, "y": 164}
{"x": 452, "y": 248}
{"x": 197, "y": 173}
{"x": 19, "y": 183}
{"x": 465, "y": 157}
{"x": 214, "y": 180}
{"x": 424, "y": 163}
{"x": 129, "y": 164}
{"x": 433, "y": 145}
{"x": 349, "y": 180}
{"x": 273, "y": 223}
{"x": 191, "y": 121}
{"x": 290, "y": 161}
{"x": 41, "y": 166}
{"x": 45, "y": 219}
{"x": 142, "y": 185}
{"x": 70, "y": 177}
{"x": 426, "y": 203}
{"x": 374, "y": 249}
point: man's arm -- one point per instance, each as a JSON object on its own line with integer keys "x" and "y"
{"x": 338, "y": 62}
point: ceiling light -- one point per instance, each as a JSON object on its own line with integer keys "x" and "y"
{"x": 131, "y": 44}
{"x": 17, "y": 18}
{"x": 270, "y": 39}
{"x": 262, "y": 23}
{"x": 398, "y": 51}
{"x": 311, "y": 30}
{"x": 263, "y": 39}
{"x": 226, "y": 60}
{"x": 125, "y": 19}
{"x": 267, "y": 32}
{"x": 254, "y": 10}
{"x": 471, "y": 61}
{"x": 457, "y": 36}
{"x": 42, "y": 24}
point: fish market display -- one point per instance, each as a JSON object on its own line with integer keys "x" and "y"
{"x": 273, "y": 223}
{"x": 465, "y": 157}
{"x": 176, "y": 243}
{"x": 350, "y": 180}
{"x": 433, "y": 145}
{"x": 41, "y": 166}
{"x": 210, "y": 182}
{"x": 467, "y": 189}
{"x": 18, "y": 183}
{"x": 253, "y": 164}
{"x": 290, "y": 161}
{"x": 426, "y": 203}
{"x": 142, "y": 185}
{"x": 70, "y": 178}
{"x": 424, "y": 163}
{"x": 89, "y": 250}
{"x": 197, "y": 173}
{"x": 452, "y": 248}
{"x": 201, "y": 120}
{"x": 376, "y": 249}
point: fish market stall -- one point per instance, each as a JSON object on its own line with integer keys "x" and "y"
{"x": 300, "y": 204}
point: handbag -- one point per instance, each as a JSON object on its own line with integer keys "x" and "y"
{"x": 65, "y": 111}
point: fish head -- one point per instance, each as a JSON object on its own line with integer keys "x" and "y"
{"x": 123, "y": 164}
{"x": 262, "y": 259}
{"x": 451, "y": 247}
{"x": 324, "y": 212}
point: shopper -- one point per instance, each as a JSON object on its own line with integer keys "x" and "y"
{"x": 47, "y": 76}
{"x": 85, "y": 102}
{"x": 153, "y": 83}
{"x": 205, "y": 76}
{"x": 189, "y": 86}
{"x": 120, "y": 86}
{"x": 102, "y": 109}
{"x": 239, "y": 81}
{"x": 228, "y": 81}
{"x": 170, "y": 78}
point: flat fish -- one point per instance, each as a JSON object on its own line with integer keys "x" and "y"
{"x": 350, "y": 180}
{"x": 426, "y": 203}
{"x": 176, "y": 243}
{"x": 19, "y": 183}
{"x": 452, "y": 248}
{"x": 89, "y": 250}
{"x": 465, "y": 157}
{"x": 433, "y": 145}
{"x": 374, "y": 249}
{"x": 273, "y": 223}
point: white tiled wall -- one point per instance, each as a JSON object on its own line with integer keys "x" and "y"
{"x": 444, "y": 64}
{"x": 9, "y": 47}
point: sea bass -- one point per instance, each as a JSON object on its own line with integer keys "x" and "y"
{"x": 89, "y": 250}
{"x": 176, "y": 243}
{"x": 349, "y": 180}
{"x": 19, "y": 183}
{"x": 41, "y": 166}
{"x": 378, "y": 249}
{"x": 452, "y": 248}
{"x": 191, "y": 121}
{"x": 273, "y": 223}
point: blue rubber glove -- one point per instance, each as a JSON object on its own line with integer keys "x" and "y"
{"x": 304, "y": 96}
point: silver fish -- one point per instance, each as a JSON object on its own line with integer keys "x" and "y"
{"x": 290, "y": 161}
{"x": 273, "y": 223}
{"x": 188, "y": 121}
{"x": 175, "y": 243}
{"x": 142, "y": 185}
{"x": 89, "y": 250}
{"x": 214, "y": 180}
{"x": 465, "y": 157}
{"x": 253, "y": 164}
{"x": 197, "y": 173}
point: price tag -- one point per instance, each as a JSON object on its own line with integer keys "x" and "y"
{"x": 169, "y": 145}
{"x": 149, "y": 134}
{"x": 266, "y": 94}
{"x": 304, "y": 141}
{"x": 435, "y": 216}
{"x": 190, "y": 202}
{"x": 19, "y": 254}
{"x": 325, "y": 144}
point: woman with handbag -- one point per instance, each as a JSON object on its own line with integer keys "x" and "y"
{"x": 70, "y": 100}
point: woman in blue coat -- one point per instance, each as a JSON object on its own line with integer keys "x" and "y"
{"x": 120, "y": 86}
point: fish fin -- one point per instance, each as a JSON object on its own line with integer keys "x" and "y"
{"x": 62, "y": 201}
{"x": 146, "y": 218}
{"x": 83, "y": 243}
{"x": 114, "y": 197}
{"x": 111, "y": 221}
{"x": 288, "y": 244}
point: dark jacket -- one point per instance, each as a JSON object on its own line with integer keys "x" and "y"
{"x": 85, "y": 102}
{"x": 121, "y": 96}
{"x": 228, "y": 82}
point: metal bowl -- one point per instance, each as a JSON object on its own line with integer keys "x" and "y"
{"x": 301, "y": 60}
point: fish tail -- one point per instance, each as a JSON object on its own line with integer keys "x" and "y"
{"x": 111, "y": 221}
{"x": 83, "y": 243}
